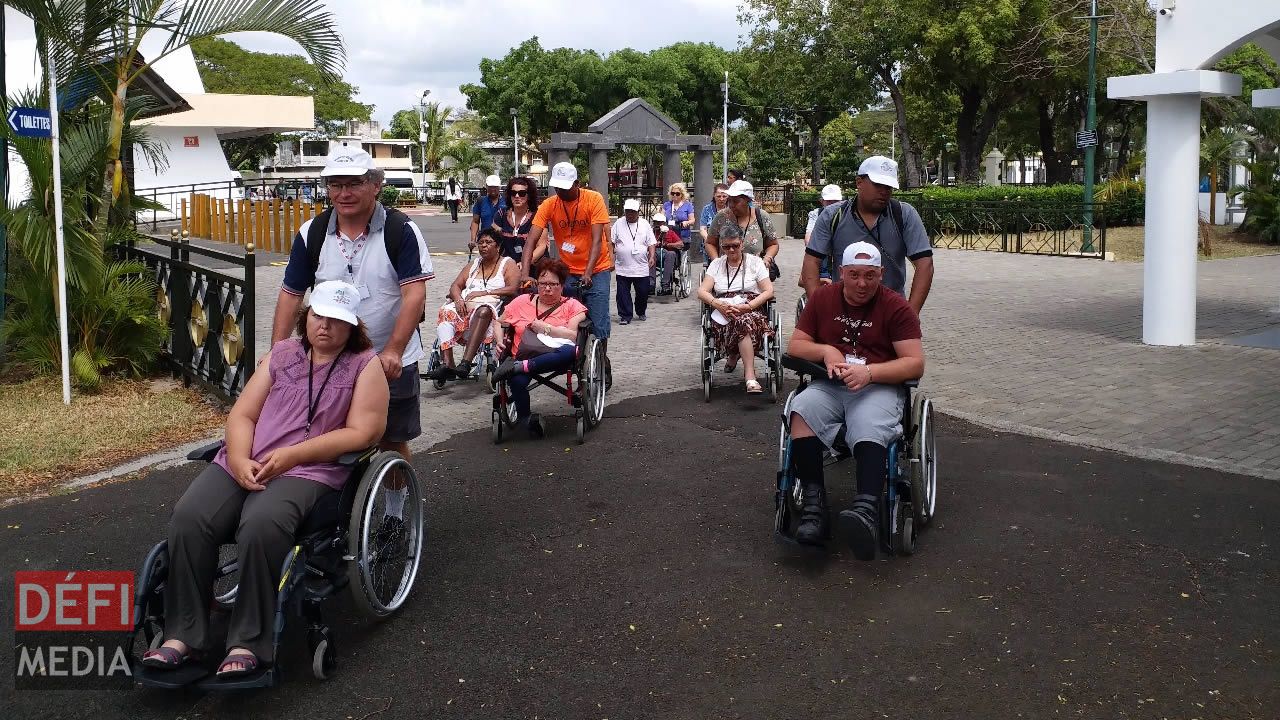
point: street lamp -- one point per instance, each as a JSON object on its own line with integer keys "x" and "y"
{"x": 422, "y": 134}
{"x": 515, "y": 141}
{"x": 724, "y": 156}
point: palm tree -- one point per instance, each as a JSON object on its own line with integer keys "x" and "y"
{"x": 96, "y": 46}
{"x": 467, "y": 157}
{"x": 1217, "y": 148}
{"x": 434, "y": 120}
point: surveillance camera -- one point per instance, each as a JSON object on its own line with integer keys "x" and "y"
{"x": 1166, "y": 12}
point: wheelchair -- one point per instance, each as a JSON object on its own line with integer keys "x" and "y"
{"x": 907, "y": 504}
{"x": 770, "y": 353}
{"x": 587, "y": 400}
{"x": 484, "y": 365}
{"x": 341, "y": 544}
{"x": 680, "y": 279}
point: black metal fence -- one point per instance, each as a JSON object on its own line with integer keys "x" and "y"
{"x": 1016, "y": 226}
{"x": 209, "y": 311}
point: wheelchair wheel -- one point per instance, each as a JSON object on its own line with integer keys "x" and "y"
{"x": 148, "y": 607}
{"x": 324, "y": 657}
{"x": 386, "y": 550}
{"x": 800, "y": 303}
{"x": 593, "y": 384}
{"x": 496, "y": 428}
{"x": 708, "y": 359}
{"x": 924, "y": 460}
{"x": 434, "y": 362}
{"x": 904, "y": 540}
{"x": 684, "y": 275}
{"x": 226, "y": 583}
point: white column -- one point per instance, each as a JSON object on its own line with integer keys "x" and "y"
{"x": 1169, "y": 264}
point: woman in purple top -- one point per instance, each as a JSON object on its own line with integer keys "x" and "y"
{"x": 313, "y": 398}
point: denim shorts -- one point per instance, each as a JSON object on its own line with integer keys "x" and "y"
{"x": 596, "y": 298}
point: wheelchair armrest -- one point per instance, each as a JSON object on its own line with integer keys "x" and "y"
{"x": 351, "y": 459}
{"x": 205, "y": 453}
{"x": 803, "y": 367}
{"x": 911, "y": 384}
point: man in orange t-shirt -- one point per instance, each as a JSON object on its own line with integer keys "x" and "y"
{"x": 578, "y": 217}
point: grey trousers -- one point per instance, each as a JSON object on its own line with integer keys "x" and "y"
{"x": 213, "y": 511}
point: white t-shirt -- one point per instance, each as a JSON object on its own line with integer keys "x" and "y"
{"x": 745, "y": 277}
{"x": 631, "y": 245}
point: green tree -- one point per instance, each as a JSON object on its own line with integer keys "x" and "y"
{"x": 404, "y": 124}
{"x": 770, "y": 157}
{"x": 98, "y": 45}
{"x": 465, "y": 157}
{"x": 799, "y": 49}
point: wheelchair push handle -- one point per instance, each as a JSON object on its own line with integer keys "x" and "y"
{"x": 206, "y": 454}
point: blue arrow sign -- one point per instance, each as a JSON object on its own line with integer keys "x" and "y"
{"x": 31, "y": 122}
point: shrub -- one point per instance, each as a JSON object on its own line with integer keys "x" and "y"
{"x": 389, "y": 195}
{"x": 1261, "y": 200}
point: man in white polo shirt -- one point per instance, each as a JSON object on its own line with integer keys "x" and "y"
{"x": 381, "y": 252}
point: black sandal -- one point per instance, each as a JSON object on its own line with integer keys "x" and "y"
{"x": 248, "y": 660}
{"x": 166, "y": 658}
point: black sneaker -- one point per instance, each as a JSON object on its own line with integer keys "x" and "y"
{"x": 812, "y": 528}
{"x": 463, "y": 369}
{"x": 505, "y": 371}
{"x": 641, "y": 318}
{"x": 444, "y": 372}
{"x": 536, "y": 430}
{"x": 624, "y": 321}
{"x": 859, "y": 527}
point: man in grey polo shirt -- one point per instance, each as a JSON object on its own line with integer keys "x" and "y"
{"x": 868, "y": 217}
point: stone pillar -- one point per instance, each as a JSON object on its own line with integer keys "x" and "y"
{"x": 704, "y": 177}
{"x": 557, "y": 155}
{"x": 991, "y": 166}
{"x": 1169, "y": 262}
{"x": 672, "y": 172}
{"x": 599, "y": 166}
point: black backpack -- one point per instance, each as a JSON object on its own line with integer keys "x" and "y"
{"x": 393, "y": 233}
{"x": 392, "y": 236}
{"x": 895, "y": 212}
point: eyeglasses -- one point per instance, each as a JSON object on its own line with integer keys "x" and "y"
{"x": 334, "y": 187}
{"x": 732, "y": 246}
{"x": 519, "y": 193}
{"x": 548, "y": 285}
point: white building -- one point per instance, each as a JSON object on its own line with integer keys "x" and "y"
{"x": 302, "y": 155}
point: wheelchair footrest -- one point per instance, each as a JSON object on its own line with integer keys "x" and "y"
{"x": 169, "y": 679}
{"x": 261, "y": 678}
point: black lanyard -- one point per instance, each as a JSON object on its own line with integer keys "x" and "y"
{"x": 314, "y": 404}
{"x": 729, "y": 285}
{"x": 862, "y": 322}
{"x": 873, "y": 234}
{"x": 572, "y": 223}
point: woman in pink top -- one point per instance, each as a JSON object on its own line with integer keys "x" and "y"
{"x": 313, "y": 398}
{"x": 554, "y": 317}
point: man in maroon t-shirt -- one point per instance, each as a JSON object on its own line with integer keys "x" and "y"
{"x": 868, "y": 338}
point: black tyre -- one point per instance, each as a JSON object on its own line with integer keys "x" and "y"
{"x": 386, "y": 551}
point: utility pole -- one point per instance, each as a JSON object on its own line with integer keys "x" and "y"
{"x": 724, "y": 158}
{"x": 422, "y": 134}
{"x": 1090, "y": 135}
{"x": 4, "y": 180}
{"x": 515, "y": 141}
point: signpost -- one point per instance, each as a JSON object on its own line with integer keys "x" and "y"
{"x": 31, "y": 122}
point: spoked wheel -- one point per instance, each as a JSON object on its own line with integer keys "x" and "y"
{"x": 707, "y": 361}
{"x": 684, "y": 275}
{"x": 226, "y": 583}
{"x": 387, "y": 550}
{"x": 434, "y": 362}
{"x": 594, "y": 386}
{"x": 800, "y": 303}
{"x": 924, "y": 461}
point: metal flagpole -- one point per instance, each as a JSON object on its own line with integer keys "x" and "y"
{"x": 4, "y": 178}
{"x": 1090, "y": 127}
{"x": 724, "y": 164}
{"x": 515, "y": 140}
{"x": 57, "y": 225}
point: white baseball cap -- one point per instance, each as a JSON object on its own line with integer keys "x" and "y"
{"x": 659, "y": 217}
{"x": 852, "y": 252}
{"x": 832, "y": 192}
{"x": 880, "y": 170}
{"x": 493, "y": 181}
{"x": 631, "y": 204}
{"x": 741, "y": 188}
{"x": 563, "y": 176}
{"x": 349, "y": 161}
{"x": 336, "y": 299}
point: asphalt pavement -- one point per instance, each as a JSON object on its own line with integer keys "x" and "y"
{"x": 637, "y": 576}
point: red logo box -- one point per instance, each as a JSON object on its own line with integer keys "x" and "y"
{"x": 77, "y": 600}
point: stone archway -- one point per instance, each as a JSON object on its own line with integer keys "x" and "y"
{"x": 1190, "y": 36}
{"x": 636, "y": 122}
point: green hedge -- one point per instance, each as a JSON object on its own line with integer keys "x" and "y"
{"x": 1120, "y": 204}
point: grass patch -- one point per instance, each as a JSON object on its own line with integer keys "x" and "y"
{"x": 45, "y": 441}
{"x": 1127, "y": 244}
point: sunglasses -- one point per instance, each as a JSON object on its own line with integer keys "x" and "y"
{"x": 733, "y": 246}
{"x": 673, "y": 192}
{"x": 519, "y": 193}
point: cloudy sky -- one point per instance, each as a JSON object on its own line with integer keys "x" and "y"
{"x": 398, "y": 48}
